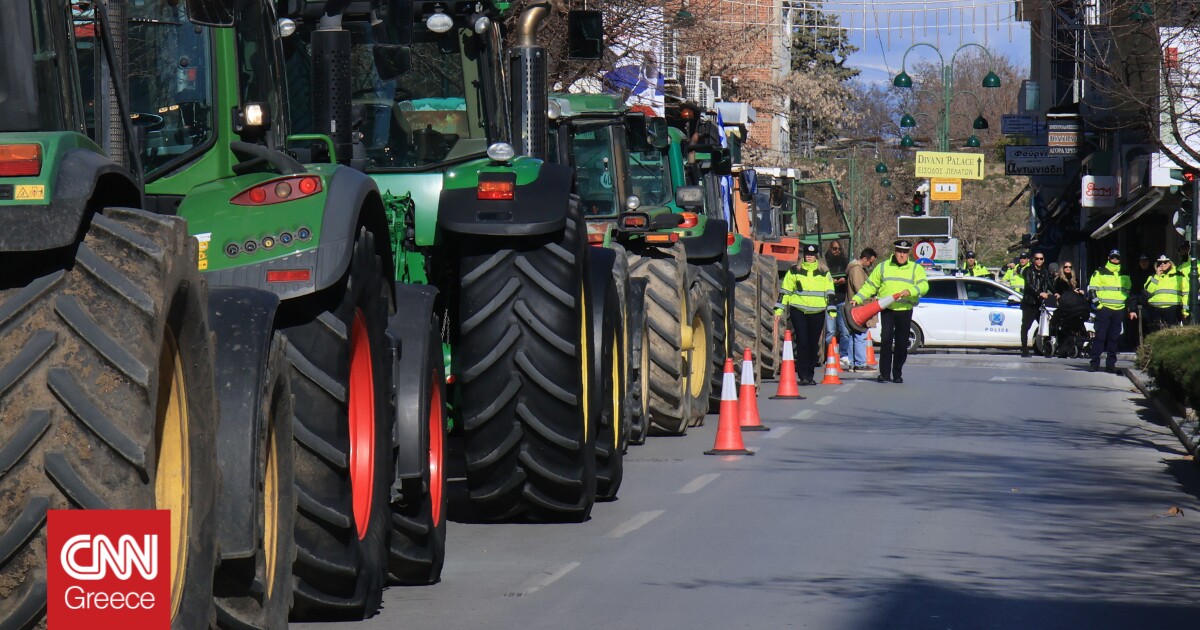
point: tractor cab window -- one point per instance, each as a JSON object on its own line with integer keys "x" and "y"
{"x": 170, "y": 83}
{"x": 650, "y": 176}
{"x": 596, "y": 171}
{"x": 765, "y": 215}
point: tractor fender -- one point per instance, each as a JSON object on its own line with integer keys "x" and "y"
{"x": 741, "y": 263}
{"x": 599, "y": 271}
{"x": 539, "y": 207}
{"x": 243, "y": 322}
{"x": 711, "y": 243}
{"x": 353, "y": 200}
{"x": 408, "y": 338}
{"x": 76, "y": 190}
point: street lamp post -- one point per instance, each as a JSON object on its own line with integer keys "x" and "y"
{"x": 991, "y": 80}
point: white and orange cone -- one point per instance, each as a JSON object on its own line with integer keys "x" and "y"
{"x": 748, "y": 398}
{"x": 787, "y": 373}
{"x": 832, "y": 365}
{"x": 729, "y": 434}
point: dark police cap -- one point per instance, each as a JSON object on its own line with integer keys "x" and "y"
{"x": 810, "y": 249}
{"x": 1144, "y": 257}
{"x": 902, "y": 244}
{"x": 970, "y": 254}
{"x": 1116, "y": 253}
{"x": 1024, "y": 254}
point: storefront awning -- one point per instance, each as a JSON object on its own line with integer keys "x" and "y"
{"x": 1129, "y": 213}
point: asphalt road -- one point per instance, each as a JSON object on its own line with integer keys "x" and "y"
{"x": 988, "y": 491}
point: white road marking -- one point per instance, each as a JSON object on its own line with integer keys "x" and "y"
{"x": 697, "y": 483}
{"x": 639, "y": 520}
{"x": 538, "y": 584}
{"x": 804, "y": 414}
{"x": 845, "y": 388}
{"x": 777, "y": 433}
{"x": 825, "y": 400}
{"x": 1005, "y": 379}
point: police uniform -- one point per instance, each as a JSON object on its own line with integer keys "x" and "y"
{"x": 892, "y": 278}
{"x": 806, "y": 293}
{"x": 1015, "y": 277}
{"x": 1110, "y": 295}
{"x": 1166, "y": 296}
{"x": 975, "y": 270}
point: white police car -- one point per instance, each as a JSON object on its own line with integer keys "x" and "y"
{"x": 966, "y": 312}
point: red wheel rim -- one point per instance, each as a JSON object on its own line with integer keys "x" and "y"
{"x": 437, "y": 480}
{"x": 362, "y": 423}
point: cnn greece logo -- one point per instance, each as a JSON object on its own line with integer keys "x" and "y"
{"x": 108, "y": 569}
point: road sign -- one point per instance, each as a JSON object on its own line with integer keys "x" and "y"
{"x": 1031, "y": 160}
{"x": 1063, "y": 136}
{"x": 958, "y": 165}
{"x": 945, "y": 189}
{"x": 925, "y": 249}
{"x": 1019, "y": 124}
{"x": 940, "y": 251}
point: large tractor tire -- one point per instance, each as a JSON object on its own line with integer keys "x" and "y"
{"x": 632, "y": 412}
{"x": 746, "y": 309}
{"x": 613, "y": 418}
{"x": 337, "y": 354}
{"x": 665, "y": 310}
{"x": 418, "y": 545}
{"x": 523, "y": 343}
{"x": 639, "y": 364}
{"x": 717, "y": 292}
{"x": 698, "y": 352}
{"x": 106, "y": 386}
{"x": 256, "y": 592}
{"x": 770, "y": 335}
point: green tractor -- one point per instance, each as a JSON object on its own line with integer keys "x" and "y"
{"x": 451, "y": 125}
{"x": 359, "y": 353}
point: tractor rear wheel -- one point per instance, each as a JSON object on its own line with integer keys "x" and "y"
{"x": 697, "y": 358}
{"x": 523, "y": 344}
{"x": 665, "y": 309}
{"x": 256, "y": 592}
{"x": 770, "y": 335}
{"x": 745, "y": 315}
{"x": 718, "y": 287}
{"x": 343, "y": 435}
{"x": 106, "y": 382}
{"x": 613, "y": 418}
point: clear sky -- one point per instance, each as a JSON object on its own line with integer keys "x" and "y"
{"x": 883, "y": 30}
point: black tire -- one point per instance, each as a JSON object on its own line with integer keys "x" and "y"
{"x": 523, "y": 345}
{"x": 639, "y": 367}
{"x": 256, "y": 592}
{"x": 746, "y": 307}
{"x": 91, "y": 364}
{"x": 665, "y": 309}
{"x": 417, "y": 550}
{"x": 916, "y": 338}
{"x": 334, "y": 337}
{"x": 697, "y": 363}
{"x": 613, "y": 416}
{"x": 770, "y": 335}
{"x": 632, "y": 414}
{"x": 717, "y": 284}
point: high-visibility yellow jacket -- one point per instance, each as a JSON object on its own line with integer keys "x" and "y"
{"x": 807, "y": 288}
{"x": 978, "y": 271}
{"x": 1110, "y": 287}
{"x": 1168, "y": 289}
{"x": 1015, "y": 277}
{"x": 890, "y": 278}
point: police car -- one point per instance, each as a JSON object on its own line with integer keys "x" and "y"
{"x": 966, "y": 312}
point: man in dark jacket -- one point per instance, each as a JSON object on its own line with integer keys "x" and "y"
{"x": 1038, "y": 286}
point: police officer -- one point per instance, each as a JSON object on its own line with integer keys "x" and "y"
{"x": 905, "y": 280}
{"x": 1015, "y": 277}
{"x": 1109, "y": 289}
{"x": 807, "y": 291}
{"x": 1166, "y": 294}
{"x": 974, "y": 269}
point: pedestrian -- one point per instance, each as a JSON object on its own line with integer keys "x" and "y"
{"x": 1006, "y": 277}
{"x": 906, "y": 281}
{"x": 974, "y": 269}
{"x": 807, "y": 290}
{"x": 1065, "y": 282}
{"x": 1036, "y": 283}
{"x": 856, "y": 276}
{"x": 835, "y": 263}
{"x": 1109, "y": 289}
{"x": 1165, "y": 293}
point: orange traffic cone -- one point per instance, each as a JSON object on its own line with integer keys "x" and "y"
{"x": 832, "y": 365}
{"x": 871, "y": 362}
{"x": 748, "y": 398}
{"x": 729, "y": 434}
{"x": 787, "y": 372}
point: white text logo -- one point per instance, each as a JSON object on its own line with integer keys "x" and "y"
{"x": 121, "y": 558}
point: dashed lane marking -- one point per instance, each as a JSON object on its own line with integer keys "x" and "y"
{"x": 825, "y": 400}
{"x": 639, "y": 520}
{"x": 845, "y": 388}
{"x": 697, "y": 483}
{"x": 804, "y": 414}
{"x": 538, "y": 583}
{"x": 777, "y": 433}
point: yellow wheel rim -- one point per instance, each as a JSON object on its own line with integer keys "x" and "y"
{"x": 271, "y": 512}
{"x": 584, "y": 356}
{"x": 697, "y": 357}
{"x": 172, "y": 483}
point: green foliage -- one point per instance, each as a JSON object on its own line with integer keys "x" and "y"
{"x": 818, "y": 48}
{"x": 1169, "y": 356}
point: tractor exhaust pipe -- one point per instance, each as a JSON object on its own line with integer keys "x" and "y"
{"x": 331, "y": 80}
{"x": 527, "y": 62}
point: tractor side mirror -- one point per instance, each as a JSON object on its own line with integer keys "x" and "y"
{"x": 659, "y": 136}
{"x": 585, "y": 35}
{"x": 637, "y": 133}
{"x": 210, "y": 12}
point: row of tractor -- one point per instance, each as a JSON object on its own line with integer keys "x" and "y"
{"x": 261, "y": 258}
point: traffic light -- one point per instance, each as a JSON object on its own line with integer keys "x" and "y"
{"x": 918, "y": 204}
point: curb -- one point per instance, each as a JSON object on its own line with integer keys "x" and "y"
{"x": 1162, "y": 411}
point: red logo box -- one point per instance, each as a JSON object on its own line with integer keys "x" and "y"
{"x": 108, "y": 569}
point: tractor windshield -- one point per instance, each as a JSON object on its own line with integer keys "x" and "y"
{"x": 650, "y": 176}
{"x": 170, "y": 83}
{"x": 38, "y": 82}
{"x": 595, "y": 168}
